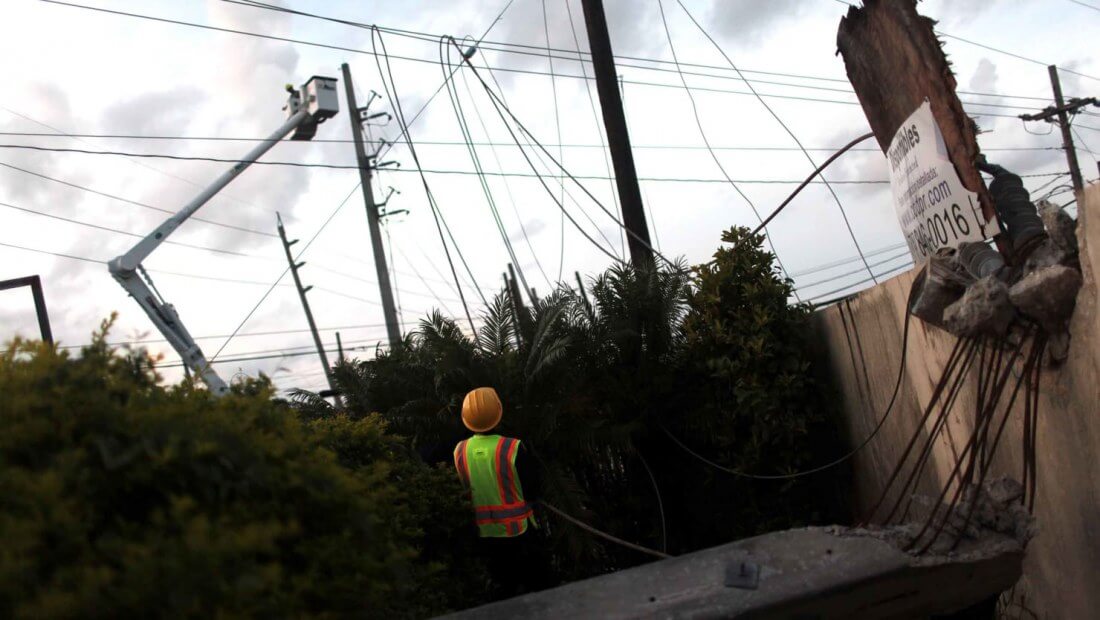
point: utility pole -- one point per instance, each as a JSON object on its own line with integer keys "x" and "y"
{"x": 895, "y": 62}
{"x": 1067, "y": 136}
{"x": 1062, "y": 110}
{"x": 389, "y": 311}
{"x": 618, "y": 138}
{"x": 305, "y": 306}
{"x": 339, "y": 349}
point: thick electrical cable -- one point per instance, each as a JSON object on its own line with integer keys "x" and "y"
{"x": 713, "y": 155}
{"x": 557, "y": 127}
{"x": 601, "y": 534}
{"x": 507, "y": 185}
{"x": 542, "y": 160}
{"x": 460, "y": 118}
{"x": 863, "y": 444}
{"x": 395, "y": 105}
{"x": 810, "y": 178}
{"x": 560, "y": 206}
{"x": 836, "y": 198}
{"x": 499, "y": 105}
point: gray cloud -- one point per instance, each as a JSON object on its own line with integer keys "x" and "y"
{"x": 750, "y": 19}
{"x": 155, "y": 113}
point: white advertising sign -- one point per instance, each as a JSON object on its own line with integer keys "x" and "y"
{"x": 933, "y": 207}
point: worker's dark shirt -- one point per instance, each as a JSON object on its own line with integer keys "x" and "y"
{"x": 530, "y": 475}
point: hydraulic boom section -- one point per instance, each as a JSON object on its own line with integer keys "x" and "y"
{"x": 315, "y": 103}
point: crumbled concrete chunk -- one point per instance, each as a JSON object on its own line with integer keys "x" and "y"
{"x": 1060, "y": 226}
{"x": 1048, "y": 295}
{"x": 984, "y": 309}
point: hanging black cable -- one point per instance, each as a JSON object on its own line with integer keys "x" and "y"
{"x": 460, "y": 117}
{"x": 507, "y": 184}
{"x": 836, "y": 198}
{"x": 542, "y": 160}
{"x": 395, "y": 105}
{"x": 713, "y": 155}
{"x": 499, "y": 105}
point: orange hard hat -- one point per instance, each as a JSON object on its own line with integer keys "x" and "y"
{"x": 481, "y": 409}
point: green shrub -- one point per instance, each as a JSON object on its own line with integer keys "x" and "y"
{"x": 123, "y": 498}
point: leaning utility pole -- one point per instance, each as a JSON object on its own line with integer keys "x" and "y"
{"x": 389, "y": 311}
{"x": 618, "y": 138}
{"x": 895, "y": 62}
{"x": 305, "y": 306}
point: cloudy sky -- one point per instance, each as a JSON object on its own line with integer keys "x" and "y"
{"x": 70, "y": 70}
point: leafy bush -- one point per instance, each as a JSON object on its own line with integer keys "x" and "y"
{"x": 123, "y": 498}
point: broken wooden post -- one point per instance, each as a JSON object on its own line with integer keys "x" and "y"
{"x": 895, "y": 62}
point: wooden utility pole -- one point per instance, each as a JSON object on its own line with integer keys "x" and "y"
{"x": 618, "y": 138}
{"x": 1061, "y": 111}
{"x": 294, "y": 267}
{"x": 389, "y": 311}
{"x": 895, "y": 62}
{"x": 1067, "y": 136}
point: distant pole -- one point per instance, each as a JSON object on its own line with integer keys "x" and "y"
{"x": 305, "y": 306}
{"x": 618, "y": 138}
{"x": 1067, "y": 136}
{"x": 389, "y": 311}
{"x": 339, "y": 349}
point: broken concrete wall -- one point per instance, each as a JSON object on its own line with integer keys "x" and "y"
{"x": 863, "y": 338}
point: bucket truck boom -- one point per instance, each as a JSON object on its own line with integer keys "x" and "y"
{"x": 315, "y": 103}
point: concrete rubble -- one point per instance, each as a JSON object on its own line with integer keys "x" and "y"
{"x": 983, "y": 310}
{"x": 973, "y": 292}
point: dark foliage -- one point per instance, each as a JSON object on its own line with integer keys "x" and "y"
{"x": 590, "y": 378}
{"x": 122, "y": 498}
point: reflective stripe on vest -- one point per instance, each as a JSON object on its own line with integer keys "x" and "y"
{"x": 487, "y": 464}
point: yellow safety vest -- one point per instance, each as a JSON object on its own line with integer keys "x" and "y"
{"x": 487, "y": 464}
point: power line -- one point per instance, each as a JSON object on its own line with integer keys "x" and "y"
{"x": 440, "y": 222}
{"x": 460, "y": 117}
{"x": 134, "y": 202}
{"x": 1086, "y": 5}
{"x": 427, "y": 61}
{"x": 279, "y": 332}
{"x": 836, "y": 198}
{"x": 455, "y": 143}
{"x": 60, "y": 133}
{"x": 581, "y": 57}
{"x": 424, "y": 170}
{"x": 199, "y": 247}
{"x": 991, "y": 48}
{"x": 557, "y": 128}
{"x": 706, "y": 141}
{"x": 131, "y": 234}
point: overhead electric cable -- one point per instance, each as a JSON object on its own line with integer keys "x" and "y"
{"x": 836, "y": 198}
{"x": 395, "y": 104}
{"x": 426, "y": 61}
{"x": 713, "y": 155}
{"x": 133, "y": 202}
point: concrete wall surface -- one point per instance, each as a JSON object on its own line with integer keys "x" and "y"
{"x": 862, "y": 338}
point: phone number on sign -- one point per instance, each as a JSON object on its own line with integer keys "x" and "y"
{"x": 945, "y": 226}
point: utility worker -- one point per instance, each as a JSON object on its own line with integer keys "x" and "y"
{"x": 490, "y": 465}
